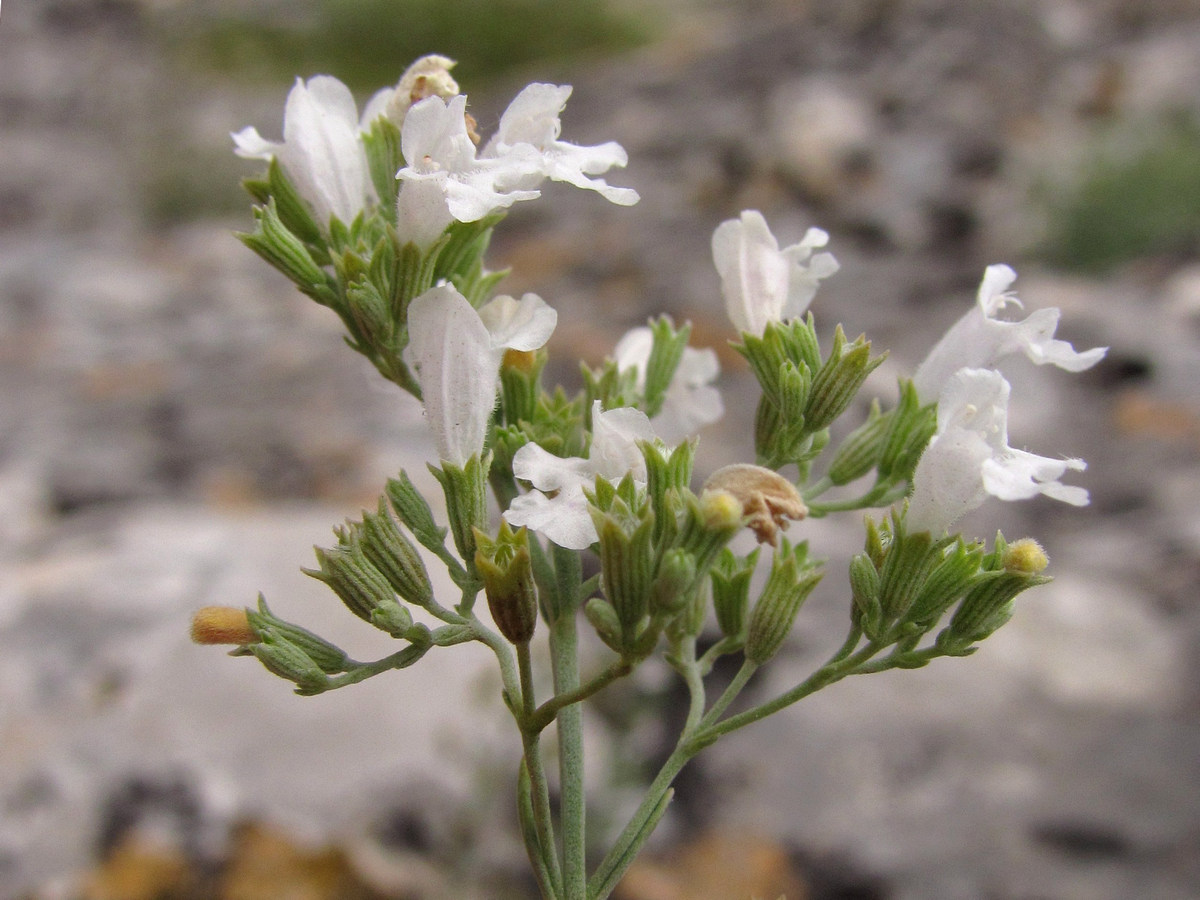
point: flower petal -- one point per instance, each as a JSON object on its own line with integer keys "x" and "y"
{"x": 457, "y": 368}
{"x": 524, "y": 324}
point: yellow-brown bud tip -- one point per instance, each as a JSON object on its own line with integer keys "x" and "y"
{"x": 520, "y": 360}
{"x": 1025, "y": 557}
{"x": 720, "y": 509}
{"x": 222, "y": 625}
{"x": 768, "y": 499}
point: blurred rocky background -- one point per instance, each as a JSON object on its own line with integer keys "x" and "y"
{"x": 178, "y": 427}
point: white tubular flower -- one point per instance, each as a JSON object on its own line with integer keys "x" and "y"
{"x": 322, "y": 148}
{"x": 760, "y": 282}
{"x": 532, "y": 120}
{"x": 457, "y": 351}
{"x": 979, "y": 340}
{"x": 969, "y": 459}
{"x": 558, "y": 508}
{"x": 691, "y": 401}
{"x": 444, "y": 179}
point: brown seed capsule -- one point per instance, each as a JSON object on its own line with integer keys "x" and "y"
{"x": 768, "y": 499}
{"x": 222, "y": 625}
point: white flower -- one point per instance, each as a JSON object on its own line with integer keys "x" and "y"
{"x": 762, "y": 283}
{"x": 532, "y": 120}
{"x": 558, "y": 508}
{"x": 979, "y": 340}
{"x": 457, "y": 352}
{"x": 969, "y": 459}
{"x": 691, "y": 401}
{"x": 322, "y": 148}
{"x": 444, "y": 180}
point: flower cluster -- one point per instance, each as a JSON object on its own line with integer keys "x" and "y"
{"x": 385, "y": 218}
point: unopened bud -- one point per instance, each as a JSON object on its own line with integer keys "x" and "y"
{"x": 505, "y": 566}
{"x": 222, "y": 625}
{"x": 1025, "y": 557}
{"x": 768, "y": 499}
{"x": 791, "y": 580}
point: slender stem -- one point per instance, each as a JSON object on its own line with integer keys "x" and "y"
{"x": 816, "y": 489}
{"x": 546, "y": 713}
{"x": 730, "y": 693}
{"x": 360, "y": 671}
{"x": 564, "y": 655}
{"x": 539, "y": 787}
{"x": 635, "y": 833}
{"x": 824, "y": 676}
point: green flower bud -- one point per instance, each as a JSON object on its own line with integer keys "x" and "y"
{"x": 730, "y": 577}
{"x": 521, "y": 384}
{"x": 466, "y": 500}
{"x": 283, "y": 658}
{"x": 665, "y": 354}
{"x": 859, "y": 452}
{"x": 673, "y": 586}
{"x": 507, "y": 572}
{"x": 604, "y": 619}
{"x": 909, "y": 560}
{"x": 352, "y": 577}
{"x": 911, "y": 425}
{"x": 394, "y": 556}
{"x": 293, "y": 209}
{"x": 393, "y": 619}
{"x": 988, "y": 605}
{"x": 329, "y": 658}
{"x": 414, "y": 512}
{"x": 272, "y": 240}
{"x": 370, "y": 315}
{"x": 864, "y": 590}
{"x": 382, "y": 145}
{"x": 792, "y": 579}
{"x": 946, "y": 583}
{"x": 627, "y": 562}
{"x": 837, "y": 382}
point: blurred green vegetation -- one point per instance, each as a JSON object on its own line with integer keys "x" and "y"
{"x": 368, "y": 43}
{"x": 1140, "y": 202}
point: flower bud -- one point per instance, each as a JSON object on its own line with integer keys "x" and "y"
{"x": 283, "y": 658}
{"x": 604, "y": 619}
{"x": 352, "y": 577}
{"x": 329, "y": 658}
{"x": 768, "y": 499}
{"x": 730, "y": 577}
{"x": 272, "y": 240}
{"x": 910, "y": 558}
{"x": 627, "y": 562}
{"x": 414, "y": 511}
{"x": 951, "y": 578}
{"x": 910, "y": 427}
{"x": 466, "y": 500}
{"x": 1025, "y": 557}
{"x": 222, "y": 625}
{"x": 838, "y": 380}
{"x": 385, "y": 545}
{"x": 859, "y": 452}
{"x": 864, "y": 591}
{"x": 504, "y": 565}
{"x": 791, "y": 580}
{"x": 672, "y": 587}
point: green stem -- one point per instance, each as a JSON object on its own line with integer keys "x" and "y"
{"x": 823, "y": 677}
{"x": 545, "y": 713}
{"x": 564, "y": 655}
{"x": 359, "y": 671}
{"x": 624, "y": 851}
{"x": 546, "y": 849}
{"x": 730, "y": 693}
